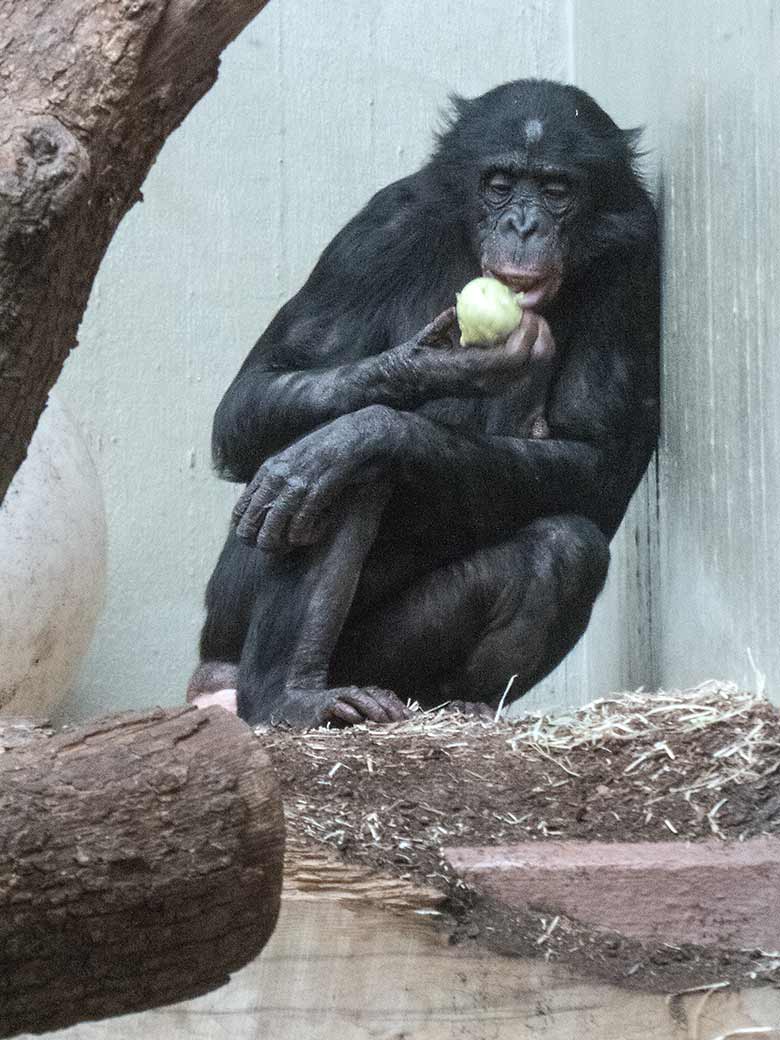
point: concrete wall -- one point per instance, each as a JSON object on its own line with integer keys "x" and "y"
{"x": 705, "y": 77}
{"x": 317, "y": 106}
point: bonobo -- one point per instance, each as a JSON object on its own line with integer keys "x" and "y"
{"x": 424, "y": 519}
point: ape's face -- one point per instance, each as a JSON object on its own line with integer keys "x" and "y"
{"x": 546, "y": 182}
{"x": 521, "y": 228}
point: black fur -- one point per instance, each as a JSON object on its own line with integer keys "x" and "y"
{"x": 484, "y": 548}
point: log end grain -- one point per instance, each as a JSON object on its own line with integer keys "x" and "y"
{"x": 140, "y": 863}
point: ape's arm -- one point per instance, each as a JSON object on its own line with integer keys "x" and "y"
{"x": 602, "y": 412}
{"x": 350, "y": 337}
{"x": 489, "y": 486}
{"x": 265, "y": 409}
{"x": 477, "y": 485}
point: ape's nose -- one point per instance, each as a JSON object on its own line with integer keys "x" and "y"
{"x": 522, "y": 221}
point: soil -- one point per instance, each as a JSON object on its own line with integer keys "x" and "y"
{"x": 634, "y": 768}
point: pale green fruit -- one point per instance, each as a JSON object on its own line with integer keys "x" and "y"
{"x": 487, "y": 312}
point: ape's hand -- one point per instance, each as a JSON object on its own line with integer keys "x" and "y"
{"x": 287, "y": 502}
{"x": 442, "y": 367}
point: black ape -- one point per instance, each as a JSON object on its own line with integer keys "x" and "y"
{"x": 427, "y": 518}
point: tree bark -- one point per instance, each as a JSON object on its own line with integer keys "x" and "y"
{"x": 89, "y": 91}
{"x": 140, "y": 863}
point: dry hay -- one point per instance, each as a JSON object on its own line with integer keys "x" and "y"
{"x": 679, "y": 765}
{"x": 746, "y": 750}
{"x": 695, "y": 748}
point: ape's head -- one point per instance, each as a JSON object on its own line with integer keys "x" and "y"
{"x": 545, "y": 183}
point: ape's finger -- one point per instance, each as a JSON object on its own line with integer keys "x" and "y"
{"x": 247, "y": 526}
{"x": 266, "y": 491}
{"x": 274, "y": 531}
{"x": 544, "y": 349}
{"x": 473, "y": 710}
{"x": 540, "y": 430}
{"x": 439, "y": 332}
{"x": 251, "y": 508}
{"x": 365, "y": 702}
{"x": 392, "y": 704}
{"x": 307, "y": 525}
{"x": 241, "y": 505}
{"x": 521, "y": 340}
{"x": 344, "y": 712}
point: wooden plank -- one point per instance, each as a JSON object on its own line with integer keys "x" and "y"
{"x": 703, "y": 892}
{"x": 343, "y": 971}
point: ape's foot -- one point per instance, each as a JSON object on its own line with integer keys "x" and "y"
{"x": 473, "y": 709}
{"x": 344, "y": 705}
{"x": 214, "y": 682}
{"x": 227, "y": 699}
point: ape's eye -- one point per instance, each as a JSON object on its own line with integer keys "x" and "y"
{"x": 499, "y": 185}
{"x": 556, "y": 191}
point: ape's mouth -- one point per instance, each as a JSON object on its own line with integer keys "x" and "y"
{"x": 537, "y": 287}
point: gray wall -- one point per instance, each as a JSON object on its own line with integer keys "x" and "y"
{"x": 705, "y": 77}
{"x": 317, "y": 106}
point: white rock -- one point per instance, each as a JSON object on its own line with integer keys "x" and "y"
{"x": 52, "y": 566}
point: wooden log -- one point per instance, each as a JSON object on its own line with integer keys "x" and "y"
{"x": 140, "y": 863}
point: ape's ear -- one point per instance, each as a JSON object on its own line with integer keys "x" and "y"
{"x": 631, "y": 139}
{"x": 459, "y": 106}
{"x": 456, "y": 109}
{"x": 634, "y": 152}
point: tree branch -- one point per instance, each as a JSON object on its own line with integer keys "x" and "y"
{"x": 90, "y": 91}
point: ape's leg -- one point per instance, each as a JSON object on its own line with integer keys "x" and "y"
{"x": 297, "y": 604}
{"x": 462, "y": 631}
{"x": 229, "y": 598}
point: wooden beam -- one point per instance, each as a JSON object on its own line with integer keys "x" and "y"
{"x": 707, "y": 892}
{"x": 346, "y": 969}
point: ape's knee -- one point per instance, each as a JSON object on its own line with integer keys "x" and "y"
{"x": 576, "y": 550}
{"x": 590, "y": 549}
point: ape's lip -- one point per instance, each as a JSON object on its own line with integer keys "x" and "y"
{"x": 532, "y": 284}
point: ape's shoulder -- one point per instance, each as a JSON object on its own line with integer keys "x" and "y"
{"x": 389, "y": 204}
{"x": 381, "y": 235}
